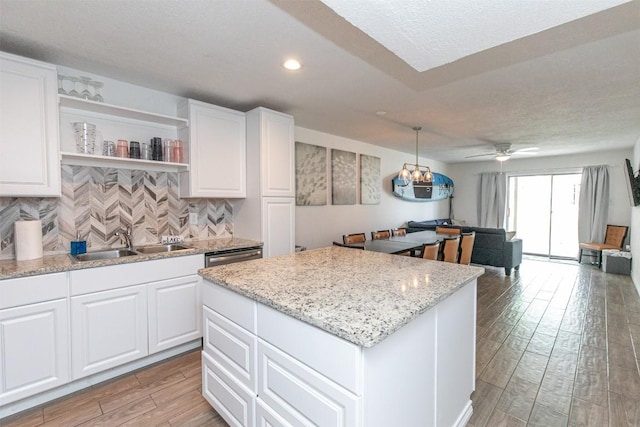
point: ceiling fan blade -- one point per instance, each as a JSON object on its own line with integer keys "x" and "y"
{"x": 480, "y": 155}
{"x": 526, "y": 150}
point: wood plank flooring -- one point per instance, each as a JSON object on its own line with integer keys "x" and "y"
{"x": 557, "y": 345}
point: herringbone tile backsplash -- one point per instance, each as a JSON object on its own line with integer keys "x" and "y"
{"x": 97, "y": 202}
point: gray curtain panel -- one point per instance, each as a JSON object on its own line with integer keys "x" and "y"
{"x": 492, "y": 199}
{"x": 593, "y": 207}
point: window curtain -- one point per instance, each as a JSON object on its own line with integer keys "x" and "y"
{"x": 492, "y": 199}
{"x": 593, "y": 206}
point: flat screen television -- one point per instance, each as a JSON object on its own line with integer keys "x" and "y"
{"x": 633, "y": 185}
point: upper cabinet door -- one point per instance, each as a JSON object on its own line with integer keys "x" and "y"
{"x": 29, "y": 150}
{"x": 278, "y": 156}
{"x": 217, "y": 152}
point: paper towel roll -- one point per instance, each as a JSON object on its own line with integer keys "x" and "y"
{"x": 28, "y": 239}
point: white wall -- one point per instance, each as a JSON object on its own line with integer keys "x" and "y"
{"x": 635, "y": 225}
{"x": 466, "y": 176}
{"x": 319, "y": 226}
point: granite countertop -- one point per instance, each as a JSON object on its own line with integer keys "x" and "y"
{"x": 360, "y": 296}
{"x": 10, "y": 269}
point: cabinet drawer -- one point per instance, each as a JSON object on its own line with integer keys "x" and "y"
{"x": 229, "y": 398}
{"x": 231, "y": 305}
{"x": 231, "y": 346}
{"x": 301, "y": 395}
{"x": 119, "y": 276}
{"x": 266, "y": 416}
{"x": 32, "y": 290}
{"x": 339, "y": 360}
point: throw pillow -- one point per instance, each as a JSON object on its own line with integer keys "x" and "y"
{"x": 510, "y": 235}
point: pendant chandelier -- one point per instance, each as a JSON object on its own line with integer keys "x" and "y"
{"x": 407, "y": 176}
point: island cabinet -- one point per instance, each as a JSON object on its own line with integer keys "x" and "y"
{"x": 125, "y": 312}
{"x": 263, "y": 367}
{"x": 34, "y": 337}
{"x": 29, "y": 151}
{"x": 216, "y": 151}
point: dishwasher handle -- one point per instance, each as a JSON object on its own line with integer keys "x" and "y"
{"x": 222, "y": 259}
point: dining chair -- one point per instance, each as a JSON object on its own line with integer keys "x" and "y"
{"x": 342, "y": 245}
{"x": 431, "y": 251}
{"x": 613, "y": 239}
{"x": 450, "y": 247}
{"x": 447, "y": 230}
{"x": 382, "y": 234}
{"x": 399, "y": 232}
{"x": 466, "y": 247}
{"x": 353, "y": 238}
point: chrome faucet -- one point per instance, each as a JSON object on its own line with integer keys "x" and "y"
{"x": 126, "y": 234}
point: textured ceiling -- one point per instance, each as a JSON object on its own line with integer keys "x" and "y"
{"x": 570, "y": 88}
{"x": 428, "y": 34}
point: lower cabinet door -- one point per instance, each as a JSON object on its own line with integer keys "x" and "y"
{"x": 34, "y": 349}
{"x": 234, "y": 402}
{"x": 300, "y": 395}
{"x": 108, "y": 329}
{"x": 175, "y": 312}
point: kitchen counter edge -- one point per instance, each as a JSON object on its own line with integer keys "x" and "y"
{"x": 12, "y": 269}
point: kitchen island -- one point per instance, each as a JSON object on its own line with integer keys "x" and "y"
{"x": 342, "y": 337}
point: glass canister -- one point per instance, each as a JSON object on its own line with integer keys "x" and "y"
{"x": 178, "y": 151}
{"x": 85, "y": 137}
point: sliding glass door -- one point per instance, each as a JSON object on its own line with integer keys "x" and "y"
{"x": 543, "y": 210}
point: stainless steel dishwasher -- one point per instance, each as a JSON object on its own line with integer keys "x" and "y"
{"x": 228, "y": 256}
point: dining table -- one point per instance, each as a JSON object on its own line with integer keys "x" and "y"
{"x": 411, "y": 242}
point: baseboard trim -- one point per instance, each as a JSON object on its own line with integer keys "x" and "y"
{"x": 465, "y": 416}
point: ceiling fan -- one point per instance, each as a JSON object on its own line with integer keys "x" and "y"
{"x": 503, "y": 152}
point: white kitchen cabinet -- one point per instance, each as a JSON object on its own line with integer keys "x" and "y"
{"x": 175, "y": 312}
{"x": 34, "y": 349}
{"x": 108, "y": 329}
{"x": 34, "y": 336}
{"x": 216, "y": 152}
{"x": 125, "y": 312}
{"x": 29, "y": 149}
{"x": 278, "y": 225}
{"x": 263, "y": 214}
{"x": 274, "y": 132}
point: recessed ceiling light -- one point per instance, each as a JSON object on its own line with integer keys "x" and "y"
{"x": 292, "y": 64}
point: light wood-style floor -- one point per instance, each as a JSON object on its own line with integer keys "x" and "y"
{"x": 557, "y": 344}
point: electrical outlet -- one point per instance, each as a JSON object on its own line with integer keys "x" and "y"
{"x": 193, "y": 218}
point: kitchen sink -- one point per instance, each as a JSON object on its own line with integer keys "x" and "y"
{"x": 108, "y": 254}
{"x": 154, "y": 249}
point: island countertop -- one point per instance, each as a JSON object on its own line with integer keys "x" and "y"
{"x": 357, "y": 295}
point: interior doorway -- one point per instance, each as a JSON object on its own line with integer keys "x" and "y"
{"x": 543, "y": 210}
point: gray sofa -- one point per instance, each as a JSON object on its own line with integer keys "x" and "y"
{"x": 491, "y": 246}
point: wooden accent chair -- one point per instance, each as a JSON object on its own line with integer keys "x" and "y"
{"x": 447, "y": 230}
{"x": 353, "y": 238}
{"x": 382, "y": 234}
{"x": 466, "y": 247}
{"x": 399, "y": 232}
{"x": 431, "y": 251}
{"x": 613, "y": 239}
{"x": 450, "y": 247}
